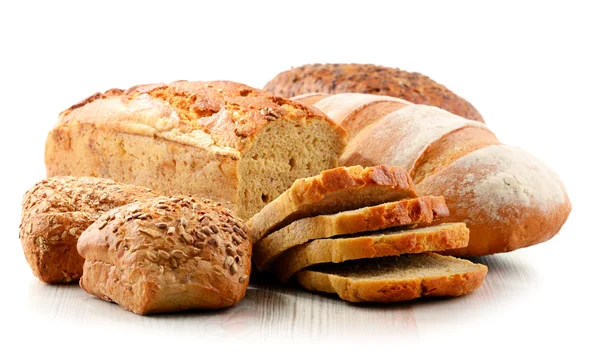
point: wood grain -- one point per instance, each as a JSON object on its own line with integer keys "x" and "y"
{"x": 290, "y": 313}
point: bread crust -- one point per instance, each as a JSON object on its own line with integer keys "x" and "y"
{"x": 507, "y": 198}
{"x": 56, "y": 211}
{"x": 167, "y": 254}
{"x": 420, "y": 211}
{"x": 369, "y": 79}
{"x": 390, "y": 291}
{"x": 373, "y": 245}
{"x": 335, "y": 190}
{"x": 188, "y": 137}
{"x": 413, "y": 129}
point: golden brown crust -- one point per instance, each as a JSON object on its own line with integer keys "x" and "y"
{"x": 372, "y": 245}
{"x": 56, "y": 211}
{"x": 201, "y": 138}
{"x": 404, "y": 136}
{"x": 420, "y": 211}
{"x": 507, "y": 198}
{"x": 335, "y": 190}
{"x": 370, "y": 79}
{"x": 229, "y": 114}
{"x": 443, "y": 282}
{"x": 167, "y": 254}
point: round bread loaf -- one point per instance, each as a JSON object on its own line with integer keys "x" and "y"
{"x": 371, "y": 79}
{"x": 167, "y": 254}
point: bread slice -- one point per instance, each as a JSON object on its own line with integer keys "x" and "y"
{"x": 395, "y": 278}
{"x": 335, "y": 190}
{"x": 371, "y": 245}
{"x": 422, "y": 210}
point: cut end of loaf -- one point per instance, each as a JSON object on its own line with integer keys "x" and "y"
{"x": 283, "y": 153}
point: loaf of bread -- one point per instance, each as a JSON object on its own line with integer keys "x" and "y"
{"x": 422, "y": 210}
{"x": 390, "y": 242}
{"x": 369, "y": 79}
{"x": 395, "y": 278}
{"x": 167, "y": 254}
{"x": 507, "y": 198}
{"x": 56, "y": 211}
{"x": 220, "y": 140}
{"x": 332, "y": 191}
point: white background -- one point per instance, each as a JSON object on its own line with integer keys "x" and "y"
{"x": 532, "y": 70}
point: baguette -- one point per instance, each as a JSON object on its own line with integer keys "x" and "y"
{"x": 370, "y": 79}
{"x": 422, "y": 210}
{"x": 506, "y": 197}
{"x": 387, "y": 242}
{"x": 55, "y": 213}
{"x": 395, "y": 278}
{"x": 332, "y": 191}
{"x": 220, "y": 140}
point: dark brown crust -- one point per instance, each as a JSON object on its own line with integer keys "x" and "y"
{"x": 55, "y": 213}
{"x": 371, "y": 79}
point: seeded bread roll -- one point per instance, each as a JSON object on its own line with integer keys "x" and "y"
{"x": 56, "y": 211}
{"x": 220, "y": 140}
{"x": 166, "y": 255}
{"x": 370, "y": 79}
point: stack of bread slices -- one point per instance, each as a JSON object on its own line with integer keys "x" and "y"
{"x": 364, "y": 234}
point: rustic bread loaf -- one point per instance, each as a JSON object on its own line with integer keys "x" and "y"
{"x": 388, "y": 242}
{"x": 221, "y": 140}
{"x": 422, "y": 210}
{"x": 395, "y": 278}
{"x": 370, "y": 79}
{"x": 506, "y": 197}
{"x": 332, "y": 191}
{"x": 410, "y": 136}
{"x": 167, "y": 254}
{"x": 56, "y": 211}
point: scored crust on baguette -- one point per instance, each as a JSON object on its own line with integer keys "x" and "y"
{"x": 508, "y": 199}
{"x": 310, "y": 98}
{"x": 332, "y": 191}
{"x": 414, "y": 129}
{"x": 423, "y": 210}
{"x": 221, "y": 140}
{"x": 394, "y": 278}
{"x": 167, "y": 254}
{"x": 55, "y": 213}
{"x": 354, "y": 111}
{"x": 387, "y": 242}
{"x": 369, "y": 79}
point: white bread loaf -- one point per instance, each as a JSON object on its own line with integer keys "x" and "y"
{"x": 507, "y": 198}
{"x": 220, "y": 140}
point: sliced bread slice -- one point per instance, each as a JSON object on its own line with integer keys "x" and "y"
{"x": 395, "y": 278}
{"x": 388, "y": 242}
{"x": 422, "y": 210}
{"x": 335, "y": 190}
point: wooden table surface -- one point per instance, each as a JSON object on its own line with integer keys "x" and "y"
{"x": 522, "y": 293}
